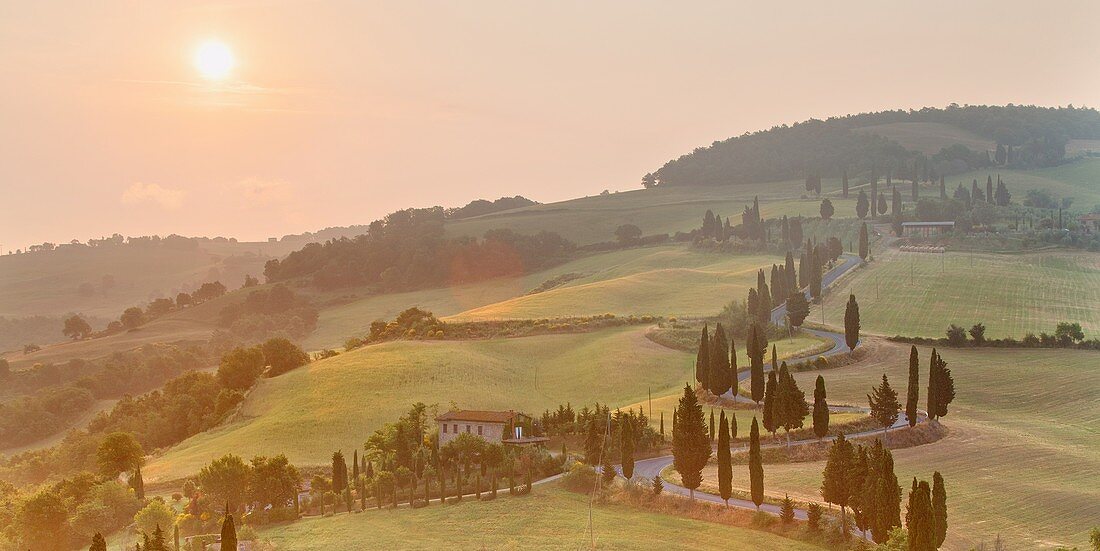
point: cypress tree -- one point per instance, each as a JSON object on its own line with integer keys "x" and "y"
{"x": 662, "y": 424}
{"x": 764, "y": 306}
{"x": 862, "y": 205}
{"x": 778, "y": 292}
{"x": 725, "y": 465}
{"x": 888, "y": 499}
{"x": 339, "y": 472}
{"x": 851, "y": 322}
{"x": 816, "y": 261}
{"x": 895, "y": 203}
{"x": 874, "y": 198}
{"x": 913, "y": 390}
{"x": 821, "y": 409}
{"x": 941, "y": 386}
{"x": 864, "y": 245}
{"x": 788, "y": 270}
{"x": 989, "y": 188}
{"x": 943, "y": 188}
{"x": 919, "y": 527}
{"x": 756, "y": 465}
{"x": 844, "y": 184}
{"x": 883, "y": 401}
{"x": 835, "y": 484}
{"x": 627, "y": 448}
{"x": 733, "y": 366}
{"x": 792, "y": 402}
{"x": 755, "y": 352}
{"x": 881, "y": 203}
{"x": 939, "y": 510}
{"x": 733, "y": 426}
{"x": 702, "y": 359}
{"x": 690, "y": 445}
{"x": 355, "y": 464}
{"x": 771, "y": 424}
{"x": 229, "y": 533}
{"x": 138, "y": 484}
{"x": 857, "y": 475}
{"x": 711, "y": 433}
{"x": 719, "y": 381}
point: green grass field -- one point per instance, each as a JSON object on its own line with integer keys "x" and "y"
{"x": 337, "y": 403}
{"x": 551, "y": 518}
{"x": 1079, "y": 179}
{"x": 1022, "y": 457}
{"x": 921, "y": 294}
{"x": 672, "y": 280}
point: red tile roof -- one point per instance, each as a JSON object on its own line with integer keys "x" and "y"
{"x": 479, "y": 416}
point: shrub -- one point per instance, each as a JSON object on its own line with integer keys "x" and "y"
{"x": 762, "y": 519}
{"x": 956, "y": 336}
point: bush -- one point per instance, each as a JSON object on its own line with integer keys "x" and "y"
{"x": 762, "y": 519}
{"x": 956, "y": 336}
{"x": 580, "y": 477}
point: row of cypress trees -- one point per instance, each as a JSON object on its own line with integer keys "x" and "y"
{"x": 862, "y": 479}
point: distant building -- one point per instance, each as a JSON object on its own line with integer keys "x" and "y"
{"x": 503, "y": 427}
{"x": 926, "y": 229}
{"x": 1090, "y": 223}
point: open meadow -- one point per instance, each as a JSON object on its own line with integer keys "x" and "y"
{"x": 551, "y": 518}
{"x": 919, "y": 294}
{"x": 1022, "y": 454}
{"x": 337, "y": 403}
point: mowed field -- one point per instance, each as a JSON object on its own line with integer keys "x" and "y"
{"x": 337, "y": 403}
{"x": 1022, "y": 456}
{"x": 1079, "y": 179}
{"x": 919, "y": 294}
{"x": 672, "y": 281}
{"x": 551, "y": 518}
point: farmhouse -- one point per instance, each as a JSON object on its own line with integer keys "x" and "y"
{"x": 926, "y": 229}
{"x": 1090, "y": 223}
{"x": 506, "y": 427}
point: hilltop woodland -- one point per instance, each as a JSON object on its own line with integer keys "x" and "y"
{"x": 1026, "y": 137}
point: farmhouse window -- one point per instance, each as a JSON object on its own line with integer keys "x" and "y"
{"x": 479, "y": 430}
{"x": 467, "y": 428}
{"x": 455, "y": 427}
{"x": 444, "y": 428}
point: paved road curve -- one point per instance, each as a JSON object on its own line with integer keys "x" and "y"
{"x": 651, "y": 468}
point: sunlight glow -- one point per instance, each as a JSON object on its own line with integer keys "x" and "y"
{"x": 214, "y": 60}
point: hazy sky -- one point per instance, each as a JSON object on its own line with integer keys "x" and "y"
{"x": 338, "y": 112}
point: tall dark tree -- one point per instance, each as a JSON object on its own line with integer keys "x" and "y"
{"x": 836, "y": 487}
{"x": 844, "y": 184}
{"x": 355, "y": 465}
{"x": 919, "y": 525}
{"x": 690, "y": 444}
{"x": 137, "y": 483}
{"x": 710, "y": 433}
{"x": 881, "y": 203}
{"x": 788, "y": 270}
{"x": 941, "y": 386}
{"x": 702, "y": 359}
{"x": 821, "y": 409}
{"x": 864, "y": 242}
{"x": 857, "y": 476}
{"x": 626, "y": 448}
{"x": 229, "y": 533}
{"x": 756, "y": 465}
{"x": 895, "y": 203}
{"x": 862, "y": 205}
{"x": 339, "y": 472}
{"x": 912, "y": 394}
{"x": 719, "y": 370}
{"x": 887, "y": 499}
{"x": 755, "y": 351}
{"x": 939, "y": 510}
{"x": 725, "y": 465}
{"x": 989, "y": 188}
{"x": 851, "y": 323}
{"x": 797, "y": 308}
{"x": 733, "y": 427}
{"x": 943, "y": 188}
{"x": 771, "y": 424}
{"x": 883, "y": 401}
{"x": 873, "y": 198}
{"x": 792, "y": 408}
{"x": 593, "y": 441}
{"x": 816, "y": 262}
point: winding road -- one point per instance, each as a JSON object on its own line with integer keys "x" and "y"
{"x": 651, "y": 468}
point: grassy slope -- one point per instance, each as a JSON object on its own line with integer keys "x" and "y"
{"x": 551, "y": 519}
{"x": 929, "y": 137}
{"x": 670, "y": 280}
{"x": 1022, "y": 457}
{"x": 594, "y": 219}
{"x": 337, "y": 403}
{"x": 336, "y": 323}
{"x": 1079, "y": 179}
{"x": 1010, "y": 294}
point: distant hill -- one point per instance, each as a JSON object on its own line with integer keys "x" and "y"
{"x": 929, "y": 142}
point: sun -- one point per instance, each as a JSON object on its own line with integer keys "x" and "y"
{"x": 214, "y": 60}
